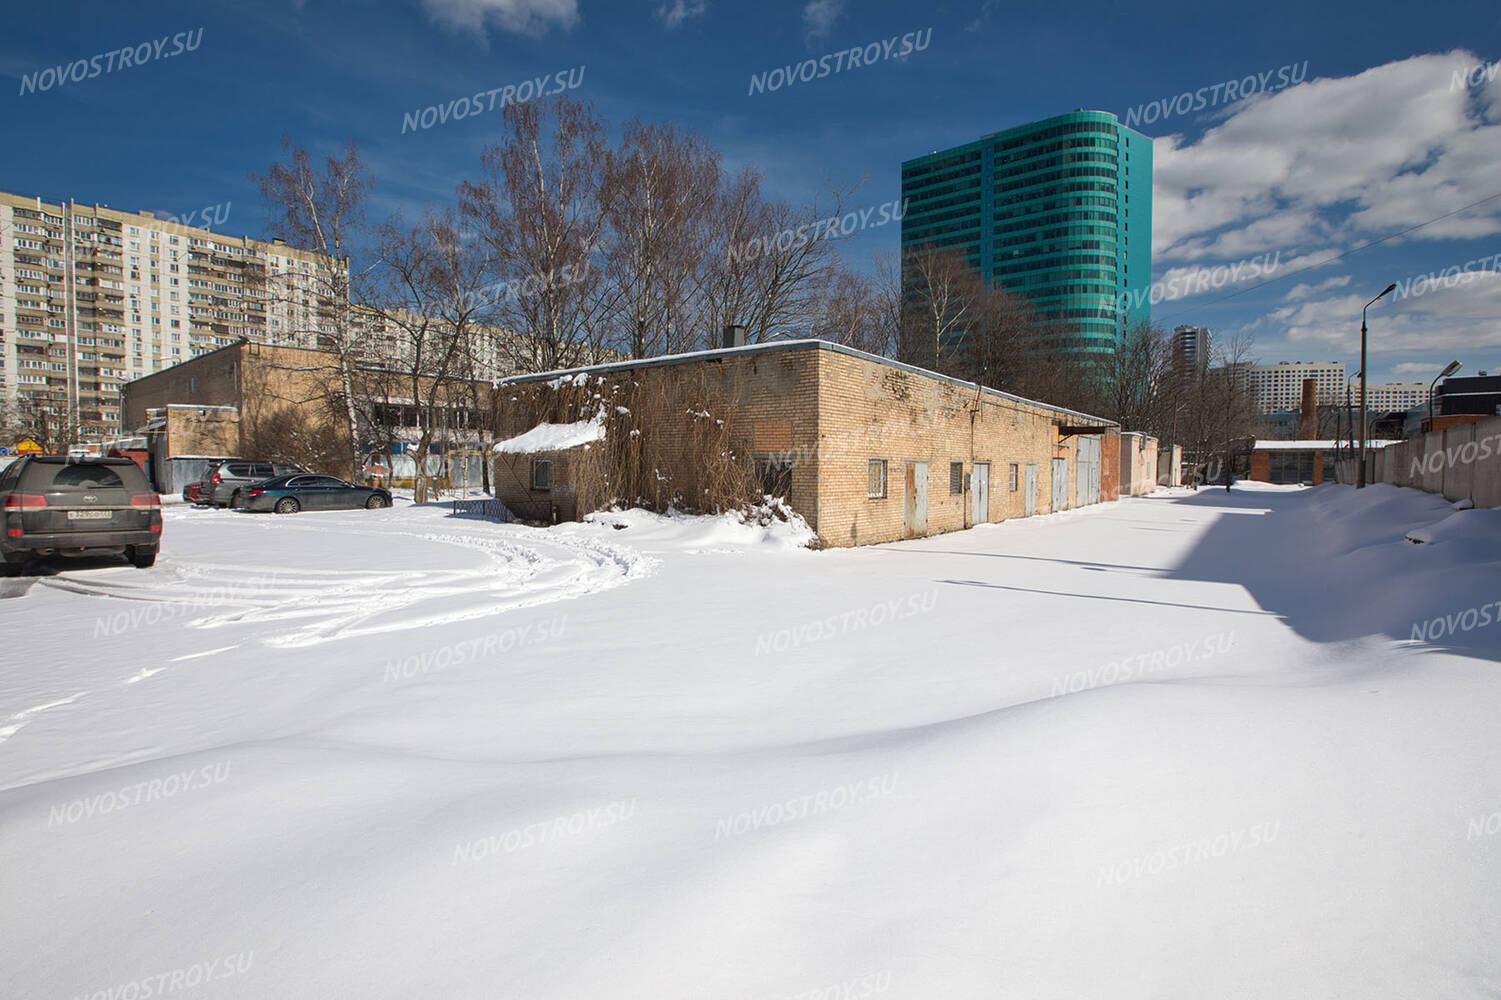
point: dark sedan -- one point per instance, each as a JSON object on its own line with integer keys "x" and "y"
{"x": 290, "y": 494}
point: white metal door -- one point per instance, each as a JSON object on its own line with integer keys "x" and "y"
{"x": 979, "y": 486}
{"x": 1060, "y": 484}
{"x": 1031, "y": 498}
{"x": 1087, "y": 472}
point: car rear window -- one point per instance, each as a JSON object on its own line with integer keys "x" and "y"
{"x": 86, "y": 477}
{"x": 238, "y": 469}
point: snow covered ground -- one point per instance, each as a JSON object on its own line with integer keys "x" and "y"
{"x": 1189, "y": 745}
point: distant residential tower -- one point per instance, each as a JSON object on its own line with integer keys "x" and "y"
{"x": 1192, "y": 347}
{"x": 1058, "y": 211}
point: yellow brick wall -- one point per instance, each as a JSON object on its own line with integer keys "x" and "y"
{"x": 768, "y": 403}
{"x": 203, "y": 432}
{"x": 869, "y": 410}
{"x": 829, "y": 414}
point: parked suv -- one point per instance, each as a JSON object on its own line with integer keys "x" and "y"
{"x": 55, "y": 505}
{"x": 226, "y": 485}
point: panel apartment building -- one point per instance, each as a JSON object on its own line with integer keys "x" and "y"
{"x": 1279, "y": 387}
{"x": 1391, "y": 396}
{"x": 1058, "y": 211}
{"x": 91, "y": 298}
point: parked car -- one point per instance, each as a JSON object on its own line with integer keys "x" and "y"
{"x": 193, "y": 493}
{"x": 59, "y": 505}
{"x": 225, "y": 485}
{"x": 290, "y": 494}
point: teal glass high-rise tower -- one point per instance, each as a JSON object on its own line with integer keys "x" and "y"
{"x": 1058, "y": 211}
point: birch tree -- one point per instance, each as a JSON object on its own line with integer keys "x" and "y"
{"x": 321, "y": 209}
{"x": 539, "y": 208}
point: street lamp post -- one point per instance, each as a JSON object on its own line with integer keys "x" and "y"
{"x": 1360, "y": 476}
{"x": 1449, "y": 369}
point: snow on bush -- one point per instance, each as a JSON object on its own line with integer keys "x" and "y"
{"x": 770, "y": 523}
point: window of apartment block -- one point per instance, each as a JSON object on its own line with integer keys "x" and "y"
{"x": 956, "y": 478}
{"x": 1011, "y": 476}
{"x": 542, "y": 474}
{"x": 876, "y": 478}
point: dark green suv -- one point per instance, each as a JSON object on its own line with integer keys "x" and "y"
{"x": 53, "y": 505}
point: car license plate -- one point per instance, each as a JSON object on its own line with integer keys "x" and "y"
{"x": 90, "y": 515}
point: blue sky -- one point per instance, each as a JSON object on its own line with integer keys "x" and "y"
{"x": 1377, "y": 138}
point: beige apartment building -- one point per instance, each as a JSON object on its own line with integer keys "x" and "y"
{"x": 1280, "y": 386}
{"x": 1389, "y": 396}
{"x": 91, "y": 298}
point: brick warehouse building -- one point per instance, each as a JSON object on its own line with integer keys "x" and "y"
{"x": 866, "y": 449}
{"x": 253, "y": 400}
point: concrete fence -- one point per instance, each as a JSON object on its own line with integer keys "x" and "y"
{"x": 1460, "y": 463}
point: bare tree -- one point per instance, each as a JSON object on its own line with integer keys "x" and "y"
{"x": 664, "y": 183}
{"x": 886, "y": 298}
{"x": 321, "y": 211}
{"x": 767, "y": 265}
{"x": 852, "y": 312}
{"x": 539, "y": 207}
{"x": 43, "y": 418}
{"x": 944, "y": 299}
{"x": 1138, "y": 379}
{"x": 431, "y": 279}
{"x": 1213, "y": 409}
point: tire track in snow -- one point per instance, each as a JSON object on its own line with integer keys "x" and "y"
{"x": 522, "y": 568}
{"x": 18, "y": 721}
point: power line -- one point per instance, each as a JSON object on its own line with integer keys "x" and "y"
{"x": 1339, "y": 256}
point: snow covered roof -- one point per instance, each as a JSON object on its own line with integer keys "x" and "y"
{"x": 1314, "y": 445}
{"x": 792, "y": 345}
{"x": 555, "y": 437}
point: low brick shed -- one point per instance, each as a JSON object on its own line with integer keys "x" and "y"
{"x": 866, "y": 449}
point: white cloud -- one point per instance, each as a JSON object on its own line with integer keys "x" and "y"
{"x": 1428, "y": 368}
{"x": 525, "y": 17}
{"x": 1320, "y": 169}
{"x": 820, "y": 16}
{"x": 1456, "y": 317}
{"x": 1302, "y": 291}
{"x": 673, "y": 14}
{"x": 1333, "y": 160}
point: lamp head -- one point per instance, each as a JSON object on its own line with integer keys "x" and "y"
{"x": 1450, "y": 369}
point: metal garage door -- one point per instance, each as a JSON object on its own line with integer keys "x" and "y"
{"x": 1087, "y": 472}
{"x": 1060, "y": 484}
{"x": 916, "y": 502}
{"x": 980, "y": 493}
